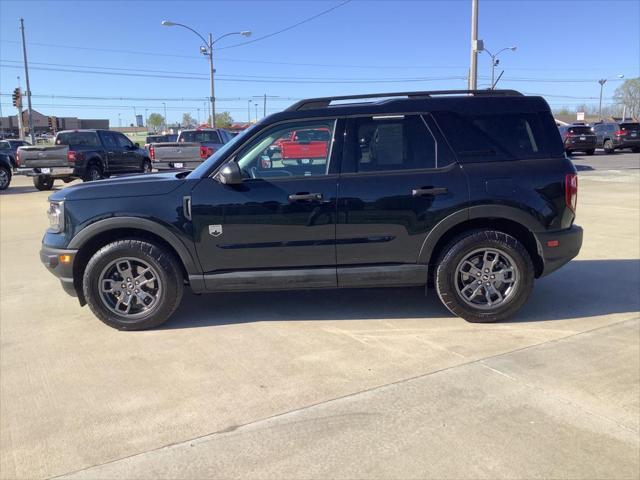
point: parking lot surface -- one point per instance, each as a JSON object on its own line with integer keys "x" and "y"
{"x": 333, "y": 384}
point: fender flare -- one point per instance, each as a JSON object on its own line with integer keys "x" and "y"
{"x": 501, "y": 212}
{"x": 137, "y": 223}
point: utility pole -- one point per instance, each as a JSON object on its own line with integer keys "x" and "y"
{"x": 249, "y": 110}
{"x": 264, "y": 110}
{"x": 19, "y": 107}
{"x": 602, "y": 81}
{"x": 256, "y": 105}
{"x": 165, "y": 115}
{"x": 475, "y": 47}
{"x": 26, "y": 74}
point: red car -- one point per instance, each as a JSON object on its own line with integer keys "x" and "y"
{"x": 302, "y": 145}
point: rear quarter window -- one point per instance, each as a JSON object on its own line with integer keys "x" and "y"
{"x": 500, "y": 137}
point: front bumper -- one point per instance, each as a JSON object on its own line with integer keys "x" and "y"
{"x": 559, "y": 247}
{"x": 60, "y": 262}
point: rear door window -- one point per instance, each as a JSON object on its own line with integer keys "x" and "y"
{"x": 630, "y": 127}
{"x": 389, "y": 143}
{"x": 495, "y": 137}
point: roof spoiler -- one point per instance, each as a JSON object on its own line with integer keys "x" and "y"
{"x": 323, "y": 102}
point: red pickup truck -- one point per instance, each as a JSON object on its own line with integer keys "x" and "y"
{"x": 302, "y": 144}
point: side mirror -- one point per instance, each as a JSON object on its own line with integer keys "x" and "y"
{"x": 230, "y": 174}
{"x": 137, "y": 145}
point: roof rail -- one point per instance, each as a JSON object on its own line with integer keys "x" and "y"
{"x": 323, "y": 102}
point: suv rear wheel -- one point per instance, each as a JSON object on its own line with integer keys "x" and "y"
{"x": 133, "y": 284}
{"x": 484, "y": 276}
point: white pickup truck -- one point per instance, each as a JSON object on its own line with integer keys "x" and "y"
{"x": 190, "y": 150}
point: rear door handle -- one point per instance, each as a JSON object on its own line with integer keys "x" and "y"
{"x": 419, "y": 192}
{"x": 305, "y": 197}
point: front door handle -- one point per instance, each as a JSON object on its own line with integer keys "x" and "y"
{"x": 419, "y": 192}
{"x": 305, "y": 197}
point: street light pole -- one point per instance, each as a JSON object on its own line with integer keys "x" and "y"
{"x": 495, "y": 62}
{"x": 249, "y": 110}
{"x": 207, "y": 50}
{"x": 26, "y": 75}
{"x": 256, "y": 112}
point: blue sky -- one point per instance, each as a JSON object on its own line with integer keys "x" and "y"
{"x": 563, "y": 47}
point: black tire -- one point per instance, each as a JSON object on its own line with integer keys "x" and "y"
{"x": 42, "y": 182}
{"x": 5, "y": 177}
{"x": 635, "y": 149}
{"x": 169, "y": 277}
{"x": 447, "y": 277}
{"x": 93, "y": 172}
{"x": 608, "y": 146}
{"x": 590, "y": 152}
{"x": 146, "y": 166}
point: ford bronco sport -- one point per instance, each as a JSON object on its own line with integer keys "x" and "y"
{"x": 466, "y": 191}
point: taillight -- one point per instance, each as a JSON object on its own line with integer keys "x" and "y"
{"x": 152, "y": 153}
{"x": 72, "y": 156}
{"x": 18, "y": 162}
{"x": 571, "y": 191}
{"x": 620, "y": 133}
{"x": 205, "y": 152}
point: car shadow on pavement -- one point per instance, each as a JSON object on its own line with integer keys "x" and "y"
{"x": 583, "y": 288}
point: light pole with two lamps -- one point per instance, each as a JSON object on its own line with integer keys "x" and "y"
{"x": 495, "y": 62}
{"x": 207, "y": 49}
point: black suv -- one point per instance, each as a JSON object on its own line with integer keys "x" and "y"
{"x": 613, "y": 136}
{"x": 469, "y": 191}
{"x": 578, "y": 138}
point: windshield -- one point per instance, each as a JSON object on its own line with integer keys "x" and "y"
{"x": 221, "y": 153}
{"x": 86, "y": 139}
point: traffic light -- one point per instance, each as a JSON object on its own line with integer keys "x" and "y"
{"x": 17, "y": 97}
{"x": 53, "y": 123}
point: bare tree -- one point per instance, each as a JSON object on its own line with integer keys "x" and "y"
{"x": 629, "y": 94}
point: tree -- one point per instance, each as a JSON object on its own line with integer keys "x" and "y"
{"x": 629, "y": 94}
{"x": 155, "y": 121}
{"x": 188, "y": 120}
{"x": 223, "y": 120}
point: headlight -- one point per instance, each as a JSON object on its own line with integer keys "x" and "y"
{"x": 56, "y": 216}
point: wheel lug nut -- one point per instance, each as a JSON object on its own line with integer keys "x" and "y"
{"x": 137, "y": 283}
{"x": 129, "y": 293}
{"x": 488, "y": 284}
{"x": 123, "y": 286}
{"x": 479, "y": 282}
{"x": 493, "y": 276}
{"x": 486, "y": 270}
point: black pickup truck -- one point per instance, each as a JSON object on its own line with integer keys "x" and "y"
{"x": 85, "y": 154}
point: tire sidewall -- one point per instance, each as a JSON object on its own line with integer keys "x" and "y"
{"x": 93, "y": 167}
{"x": 7, "y": 172}
{"x": 458, "y": 249}
{"x": 166, "y": 268}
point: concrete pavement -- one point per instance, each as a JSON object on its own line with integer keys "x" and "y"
{"x": 363, "y": 383}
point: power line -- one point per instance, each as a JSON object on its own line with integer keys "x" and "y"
{"x": 286, "y": 29}
{"x": 239, "y": 79}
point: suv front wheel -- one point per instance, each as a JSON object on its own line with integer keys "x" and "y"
{"x": 133, "y": 284}
{"x": 484, "y": 276}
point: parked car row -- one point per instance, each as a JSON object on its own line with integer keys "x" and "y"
{"x": 610, "y": 136}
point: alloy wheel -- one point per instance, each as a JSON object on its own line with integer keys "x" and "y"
{"x": 486, "y": 278}
{"x": 130, "y": 287}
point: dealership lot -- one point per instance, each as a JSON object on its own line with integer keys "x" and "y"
{"x": 340, "y": 384}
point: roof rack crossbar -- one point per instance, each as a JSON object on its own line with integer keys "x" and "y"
{"x": 323, "y": 102}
